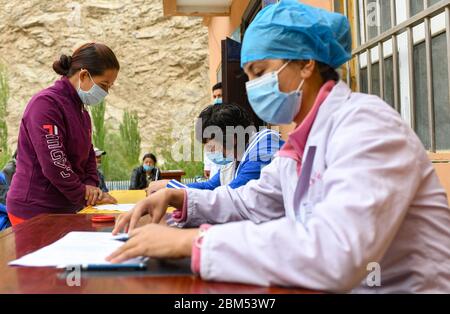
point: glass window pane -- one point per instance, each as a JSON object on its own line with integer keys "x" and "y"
{"x": 419, "y": 5}
{"x": 372, "y": 20}
{"x": 376, "y": 79}
{"x": 416, "y": 6}
{"x": 337, "y": 6}
{"x": 385, "y": 15}
{"x": 363, "y": 77}
{"x": 420, "y": 94}
{"x": 431, "y": 2}
{"x": 440, "y": 88}
{"x": 389, "y": 81}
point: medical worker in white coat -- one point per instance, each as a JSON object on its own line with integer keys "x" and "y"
{"x": 352, "y": 193}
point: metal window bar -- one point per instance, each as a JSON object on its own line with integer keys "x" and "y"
{"x": 395, "y": 63}
{"x": 412, "y": 96}
{"x": 381, "y": 67}
{"x": 366, "y": 45}
{"x": 366, "y": 23}
{"x": 378, "y": 3}
{"x": 125, "y": 184}
{"x": 358, "y": 43}
{"x": 118, "y": 185}
{"x": 430, "y": 91}
{"x": 348, "y": 74}
{"x": 369, "y": 70}
{"x": 447, "y": 28}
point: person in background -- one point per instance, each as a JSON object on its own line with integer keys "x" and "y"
{"x": 146, "y": 173}
{"x": 210, "y": 169}
{"x": 56, "y": 169}
{"x": 10, "y": 168}
{"x": 217, "y": 93}
{"x": 4, "y": 220}
{"x": 101, "y": 178}
{"x": 238, "y": 165}
{"x": 6, "y": 176}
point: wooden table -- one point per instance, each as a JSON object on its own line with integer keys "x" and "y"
{"x": 45, "y": 229}
{"x": 172, "y": 174}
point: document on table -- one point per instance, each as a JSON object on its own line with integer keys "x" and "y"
{"x": 76, "y": 248}
{"x": 117, "y": 207}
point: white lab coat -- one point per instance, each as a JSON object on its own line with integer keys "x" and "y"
{"x": 367, "y": 193}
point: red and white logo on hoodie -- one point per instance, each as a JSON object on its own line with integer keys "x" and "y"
{"x": 51, "y": 129}
{"x": 56, "y": 151}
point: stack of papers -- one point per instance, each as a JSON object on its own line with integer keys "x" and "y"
{"x": 117, "y": 207}
{"x": 76, "y": 248}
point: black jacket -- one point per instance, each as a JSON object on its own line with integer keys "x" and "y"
{"x": 139, "y": 180}
{"x": 101, "y": 181}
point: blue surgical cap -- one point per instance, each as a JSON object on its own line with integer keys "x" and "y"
{"x": 295, "y": 31}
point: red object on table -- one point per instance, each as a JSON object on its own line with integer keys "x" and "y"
{"x": 43, "y": 230}
{"x": 103, "y": 218}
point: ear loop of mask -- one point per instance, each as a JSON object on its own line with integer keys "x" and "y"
{"x": 284, "y": 65}
{"x": 90, "y": 77}
{"x": 300, "y": 86}
{"x": 301, "y": 83}
{"x": 79, "y": 79}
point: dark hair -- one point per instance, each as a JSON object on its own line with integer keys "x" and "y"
{"x": 327, "y": 72}
{"x": 217, "y": 86}
{"x": 151, "y": 156}
{"x": 96, "y": 58}
{"x": 221, "y": 116}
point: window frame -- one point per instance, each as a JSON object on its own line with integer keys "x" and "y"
{"x": 405, "y": 34}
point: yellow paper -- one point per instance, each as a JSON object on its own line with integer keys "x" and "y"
{"x": 122, "y": 197}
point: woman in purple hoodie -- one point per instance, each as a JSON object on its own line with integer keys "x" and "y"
{"x": 56, "y": 168}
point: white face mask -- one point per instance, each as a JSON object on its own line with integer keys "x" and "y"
{"x": 93, "y": 96}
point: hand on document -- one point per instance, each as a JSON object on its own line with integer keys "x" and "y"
{"x": 154, "y": 240}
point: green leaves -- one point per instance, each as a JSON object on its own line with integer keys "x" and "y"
{"x": 5, "y": 154}
{"x": 98, "y": 121}
{"x": 131, "y": 138}
{"x": 122, "y": 148}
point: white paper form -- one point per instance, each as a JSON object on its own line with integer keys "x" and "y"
{"x": 118, "y": 207}
{"x": 75, "y": 248}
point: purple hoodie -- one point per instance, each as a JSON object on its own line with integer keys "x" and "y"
{"x": 55, "y": 155}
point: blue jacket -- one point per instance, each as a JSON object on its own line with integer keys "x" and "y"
{"x": 259, "y": 153}
{"x": 4, "y": 220}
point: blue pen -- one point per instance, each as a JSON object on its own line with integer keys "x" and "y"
{"x": 111, "y": 267}
{"x": 122, "y": 238}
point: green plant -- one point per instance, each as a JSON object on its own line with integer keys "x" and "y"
{"x": 123, "y": 148}
{"x": 117, "y": 168}
{"x": 100, "y": 132}
{"x": 98, "y": 121}
{"x": 129, "y": 133}
{"x": 4, "y": 96}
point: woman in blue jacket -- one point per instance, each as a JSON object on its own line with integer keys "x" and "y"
{"x": 239, "y": 163}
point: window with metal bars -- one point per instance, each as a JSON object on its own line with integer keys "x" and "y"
{"x": 401, "y": 53}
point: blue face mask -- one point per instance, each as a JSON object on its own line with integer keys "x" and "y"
{"x": 269, "y": 103}
{"x": 218, "y": 101}
{"x": 93, "y": 96}
{"x": 218, "y": 159}
{"x": 148, "y": 168}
